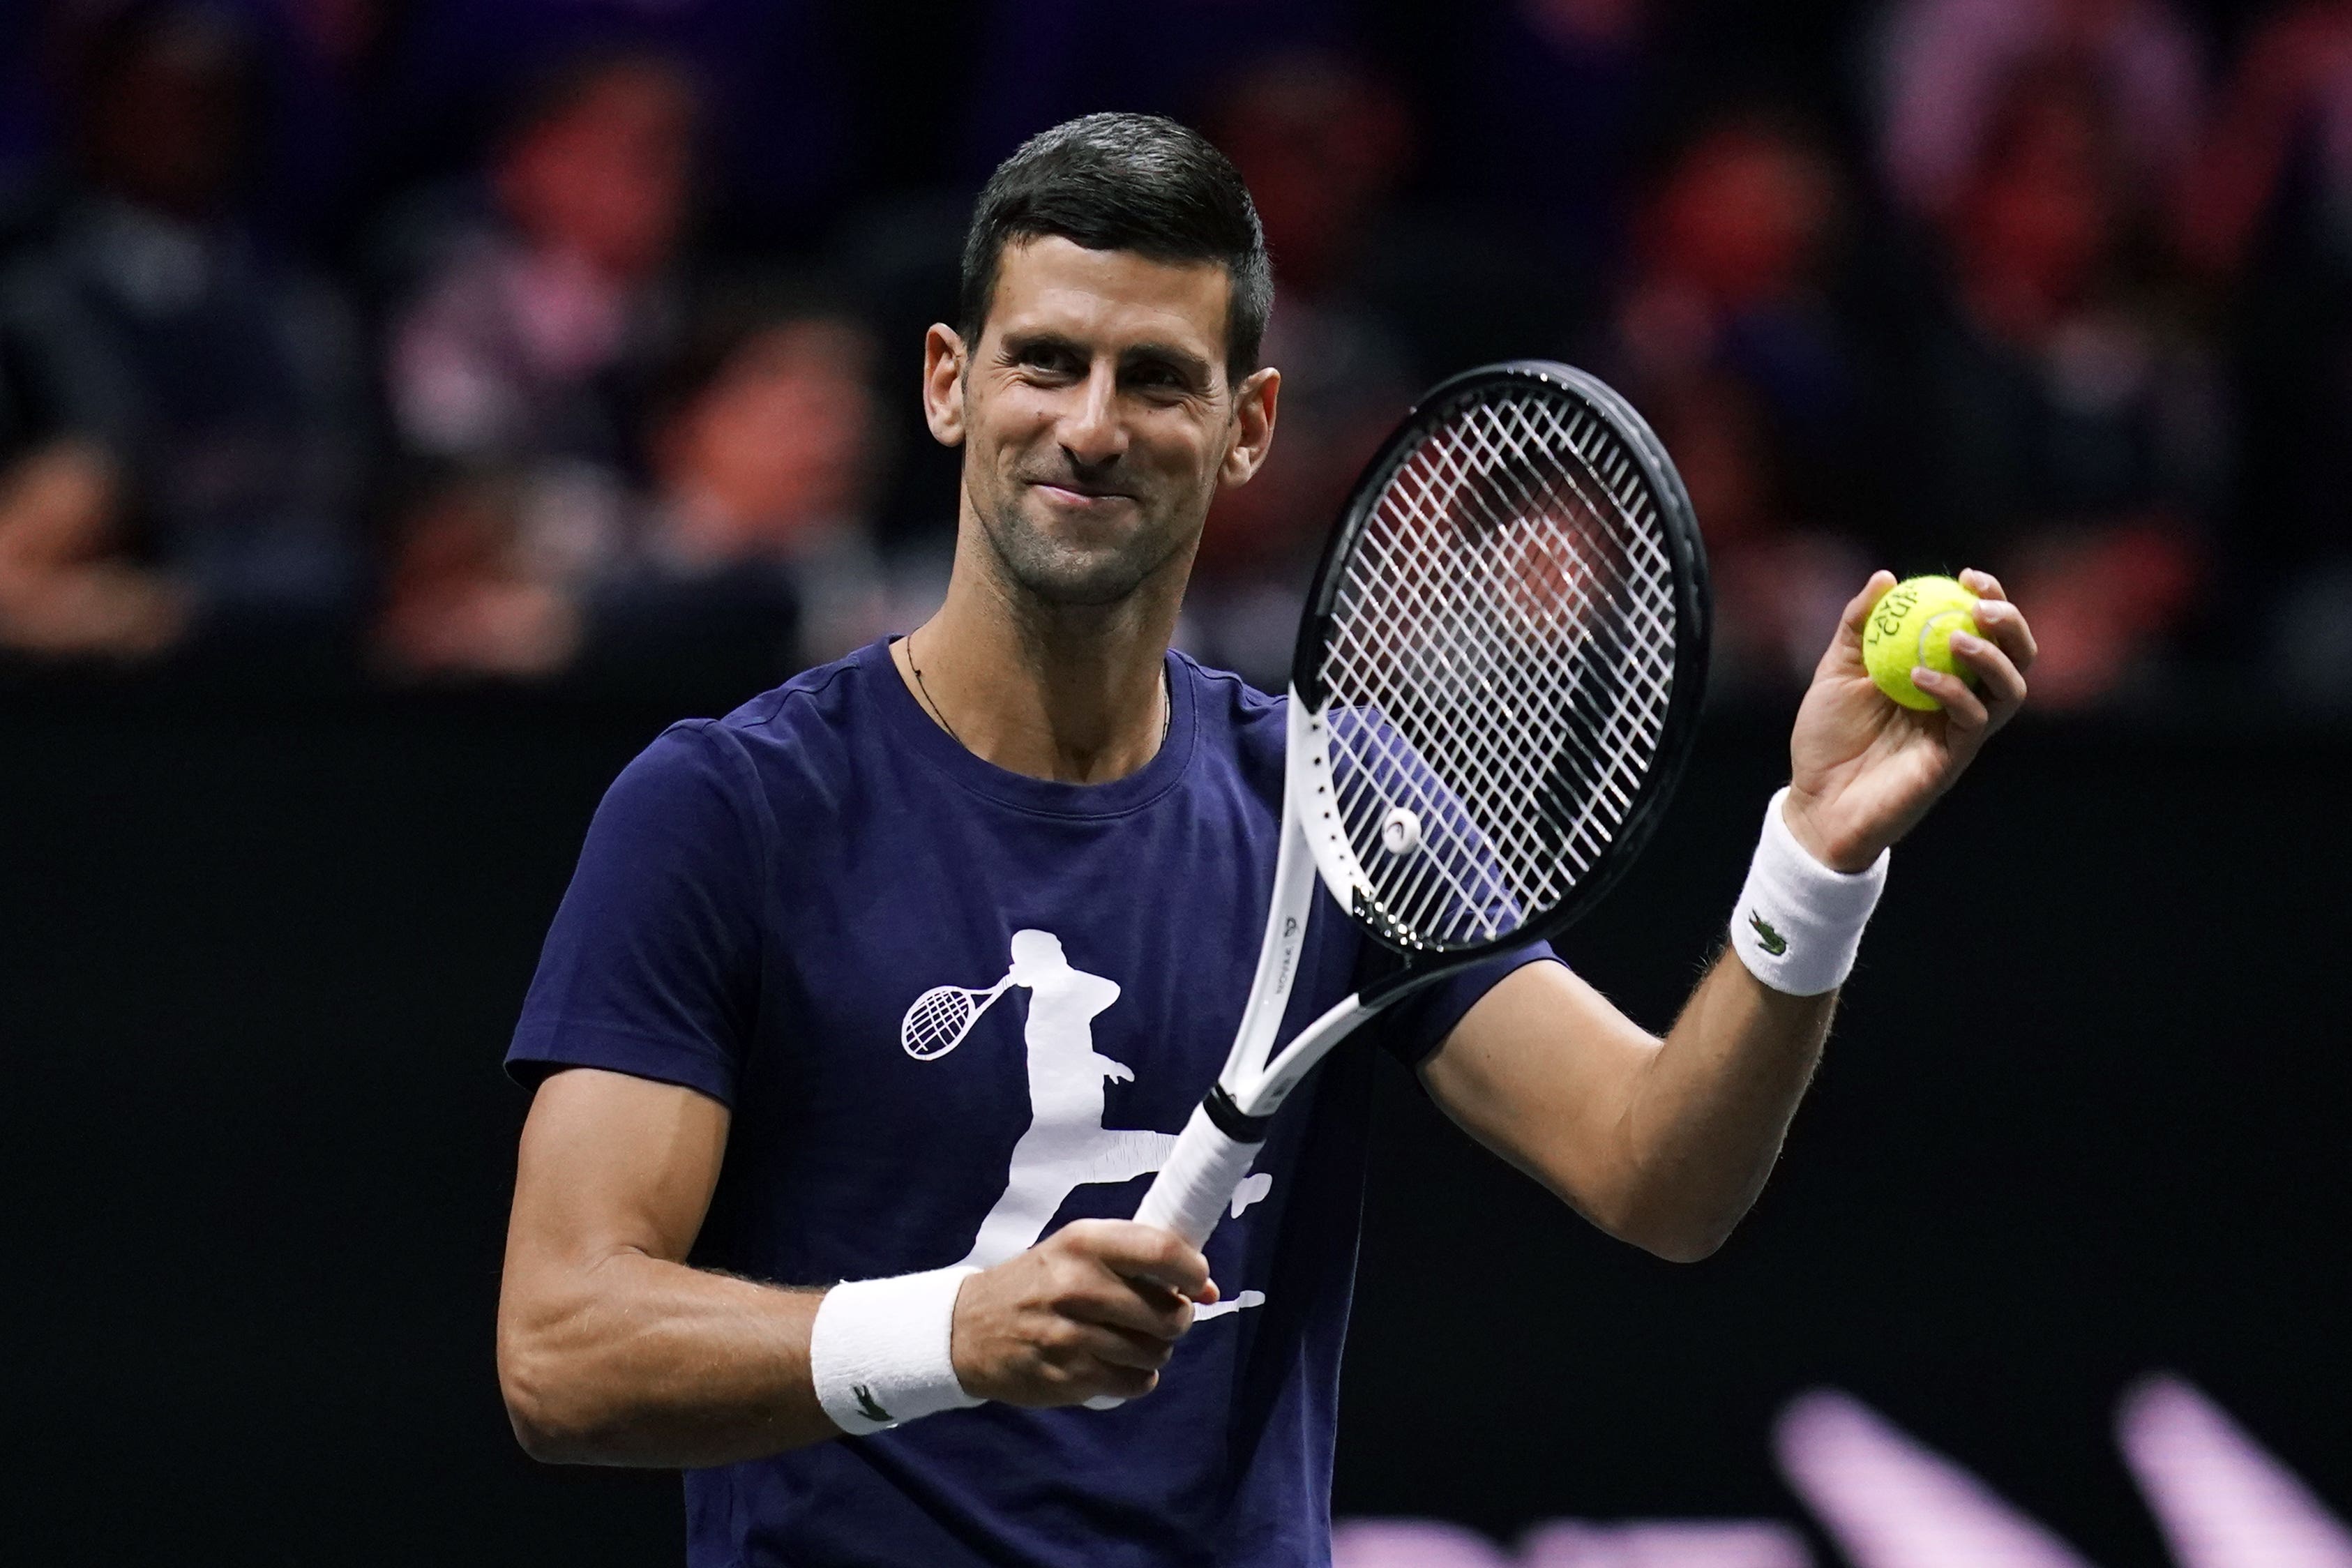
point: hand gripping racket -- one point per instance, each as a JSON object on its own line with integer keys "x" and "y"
{"x": 1495, "y": 686}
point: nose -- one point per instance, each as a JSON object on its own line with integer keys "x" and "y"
{"x": 1090, "y": 431}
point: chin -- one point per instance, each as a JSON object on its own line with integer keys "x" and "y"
{"x": 1080, "y": 578}
{"x": 1058, "y": 570}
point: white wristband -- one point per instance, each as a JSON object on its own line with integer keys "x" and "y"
{"x": 1798, "y": 923}
{"x": 879, "y": 1352}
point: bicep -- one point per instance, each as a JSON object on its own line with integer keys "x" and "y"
{"x": 1541, "y": 1071}
{"x": 612, "y": 1162}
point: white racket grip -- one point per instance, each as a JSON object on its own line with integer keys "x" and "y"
{"x": 1193, "y": 1188}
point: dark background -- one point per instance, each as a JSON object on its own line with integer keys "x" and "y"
{"x": 270, "y": 899}
{"x": 2082, "y": 1118}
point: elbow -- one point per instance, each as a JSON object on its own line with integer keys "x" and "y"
{"x": 1689, "y": 1244}
{"x": 1676, "y": 1233}
{"x": 542, "y": 1403}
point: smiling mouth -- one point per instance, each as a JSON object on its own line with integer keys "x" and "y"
{"x": 1071, "y": 495}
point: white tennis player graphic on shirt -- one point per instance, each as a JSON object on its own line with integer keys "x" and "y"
{"x": 1066, "y": 1145}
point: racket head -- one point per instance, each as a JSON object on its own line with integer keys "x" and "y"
{"x": 937, "y": 1021}
{"x": 1508, "y": 640}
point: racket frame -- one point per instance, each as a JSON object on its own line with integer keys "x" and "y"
{"x": 1694, "y": 618}
{"x": 1230, "y": 1125}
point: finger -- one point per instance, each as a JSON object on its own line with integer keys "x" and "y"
{"x": 1144, "y": 1252}
{"x": 1983, "y": 584}
{"x": 1122, "y": 1382}
{"x": 1115, "y": 1347}
{"x": 1135, "y": 1306}
{"x": 1962, "y": 706}
{"x": 1075, "y": 1349}
{"x": 1843, "y": 656}
{"x": 1857, "y": 610}
{"x": 2000, "y": 681}
{"x": 2005, "y": 624}
{"x": 1071, "y": 1375}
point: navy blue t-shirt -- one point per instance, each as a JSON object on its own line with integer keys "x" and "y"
{"x": 760, "y": 899}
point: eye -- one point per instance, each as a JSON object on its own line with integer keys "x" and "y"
{"x": 1048, "y": 357}
{"x": 1157, "y": 378}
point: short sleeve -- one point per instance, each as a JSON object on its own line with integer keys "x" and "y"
{"x": 1417, "y": 1026}
{"x": 652, "y": 966}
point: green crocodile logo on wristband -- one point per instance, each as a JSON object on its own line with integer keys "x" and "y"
{"x": 867, "y": 1408}
{"x": 1774, "y": 943}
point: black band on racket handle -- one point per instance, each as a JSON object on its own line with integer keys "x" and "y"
{"x": 1232, "y": 1120}
{"x": 1196, "y": 1184}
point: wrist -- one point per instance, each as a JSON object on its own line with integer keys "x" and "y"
{"x": 1843, "y": 856}
{"x": 1798, "y": 922}
{"x": 881, "y": 1352}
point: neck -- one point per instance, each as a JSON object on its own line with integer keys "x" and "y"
{"x": 1070, "y": 692}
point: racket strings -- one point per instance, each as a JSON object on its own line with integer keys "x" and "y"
{"x": 1500, "y": 663}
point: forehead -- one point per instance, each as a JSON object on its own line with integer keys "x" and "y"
{"x": 1109, "y": 298}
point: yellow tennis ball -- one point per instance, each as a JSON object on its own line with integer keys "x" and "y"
{"x": 1912, "y": 625}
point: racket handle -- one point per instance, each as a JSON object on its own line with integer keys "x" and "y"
{"x": 1193, "y": 1189}
{"x": 1189, "y": 1195}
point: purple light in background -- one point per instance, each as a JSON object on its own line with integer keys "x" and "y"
{"x": 1892, "y": 1502}
{"x": 1664, "y": 1544}
{"x": 2222, "y": 1500}
{"x": 1411, "y": 1543}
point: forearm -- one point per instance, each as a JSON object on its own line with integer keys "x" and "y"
{"x": 1705, "y": 1114}
{"x": 632, "y": 1360}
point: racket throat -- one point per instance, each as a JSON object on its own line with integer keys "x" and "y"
{"x": 1226, "y": 1114}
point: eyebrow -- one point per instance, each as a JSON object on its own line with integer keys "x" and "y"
{"x": 1183, "y": 361}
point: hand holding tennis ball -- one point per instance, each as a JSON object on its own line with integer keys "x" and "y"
{"x": 1911, "y": 627}
{"x": 1865, "y": 769}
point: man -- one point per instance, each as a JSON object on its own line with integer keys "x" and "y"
{"x": 1030, "y": 786}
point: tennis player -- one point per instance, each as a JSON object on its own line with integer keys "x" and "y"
{"x": 1029, "y": 800}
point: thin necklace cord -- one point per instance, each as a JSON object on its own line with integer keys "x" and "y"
{"x": 1167, "y": 703}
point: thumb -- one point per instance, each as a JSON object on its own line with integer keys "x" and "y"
{"x": 1843, "y": 656}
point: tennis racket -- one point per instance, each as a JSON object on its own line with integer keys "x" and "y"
{"x": 1495, "y": 686}
{"x": 938, "y": 1020}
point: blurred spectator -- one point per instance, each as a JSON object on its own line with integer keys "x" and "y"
{"x": 1945, "y": 68}
{"x": 776, "y": 105}
{"x": 2267, "y": 217}
{"x": 755, "y": 554}
{"x": 1726, "y": 337}
{"x": 2289, "y": 101}
{"x": 2074, "y": 434}
{"x": 460, "y": 601}
{"x": 220, "y": 386}
{"x": 749, "y": 557}
{"x": 529, "y": 347}
{"x": 1322, "y": 143}
{"x": 66, "y": 589}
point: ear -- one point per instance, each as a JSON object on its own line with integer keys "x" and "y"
{"x": 943, "y": 369}
{"x": 1253, "y": 402}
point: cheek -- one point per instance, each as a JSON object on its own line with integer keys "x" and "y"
{"x": 1006, "y": 423}
{"x": 1181, "y": 447}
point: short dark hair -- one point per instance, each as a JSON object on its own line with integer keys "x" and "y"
{"x": 1125, "y": 182}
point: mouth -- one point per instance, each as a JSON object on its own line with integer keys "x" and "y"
{"x": 1086, "y": 497}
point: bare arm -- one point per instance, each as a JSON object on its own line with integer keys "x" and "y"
{"x": 613, "y": 1350}
{"x": 1660, "y": 1143}
{"x": 1666, "y": 1143}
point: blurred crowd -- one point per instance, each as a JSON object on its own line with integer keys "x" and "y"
{"x": 575, "y": 343}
